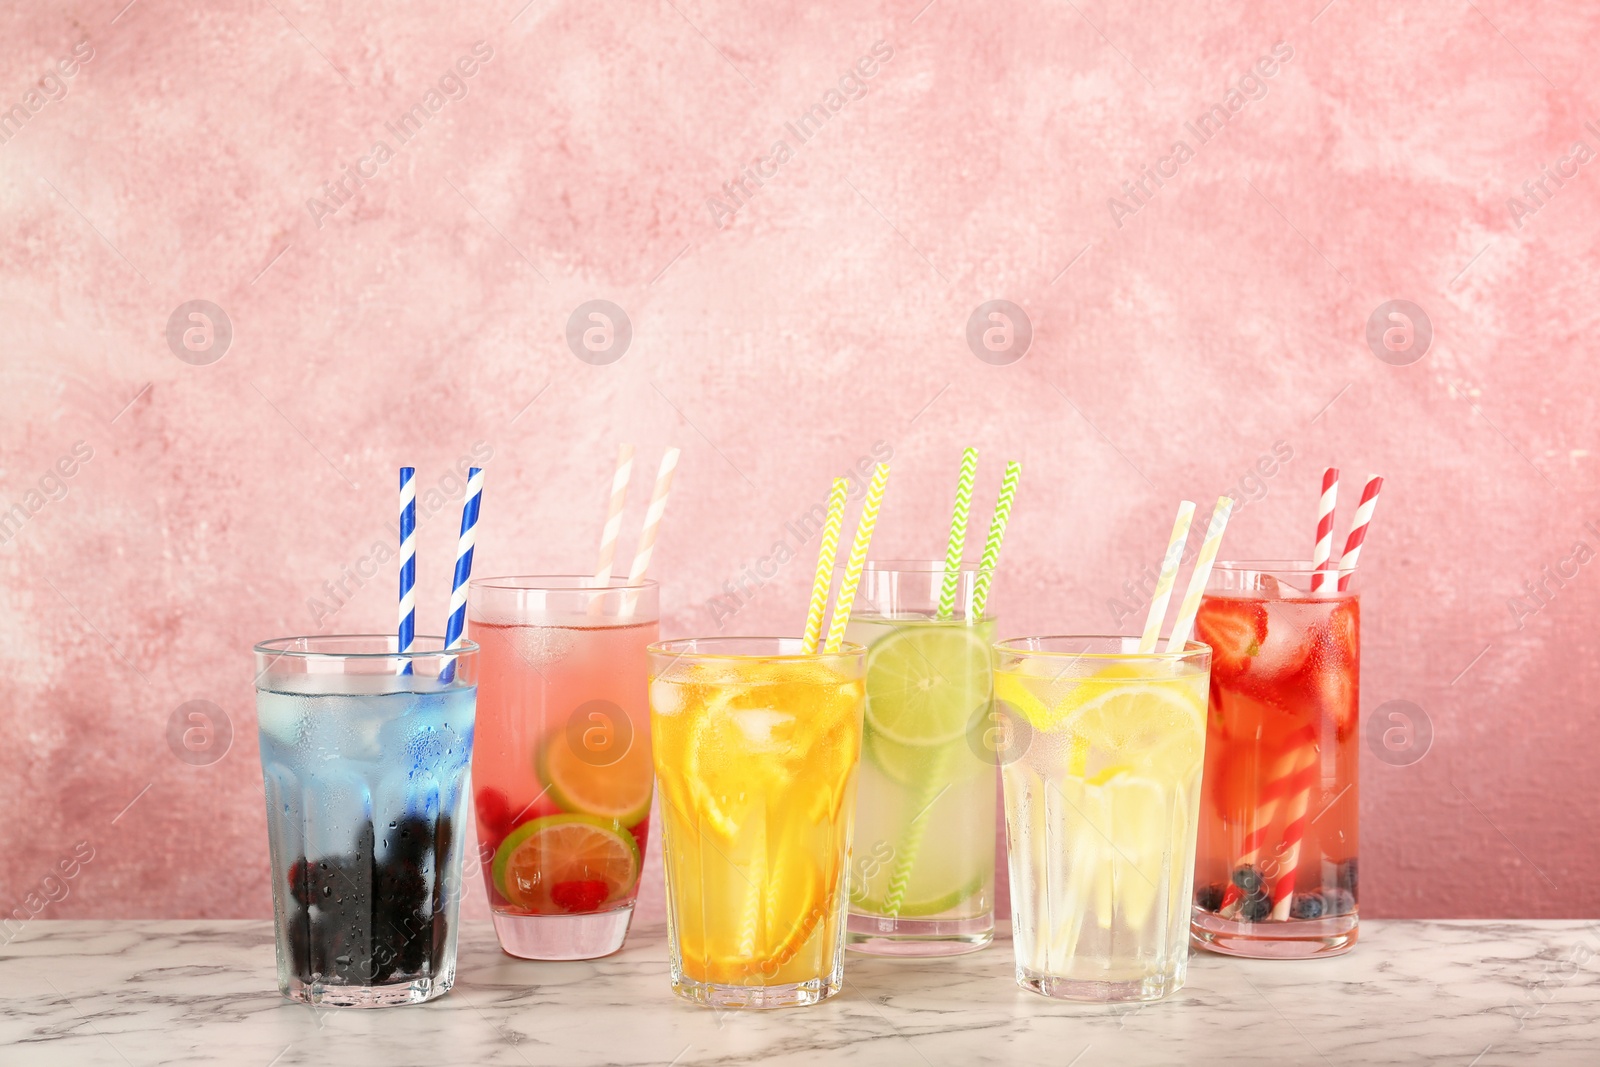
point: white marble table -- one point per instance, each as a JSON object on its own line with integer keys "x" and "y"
{"x": 201, "y": 992}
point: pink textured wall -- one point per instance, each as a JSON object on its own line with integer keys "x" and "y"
{"x": 1177, "y": 338}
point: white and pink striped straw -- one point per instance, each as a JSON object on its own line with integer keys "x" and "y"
{"x": 1358, "y": 530}
{"x": 1322, "y": 553}
{"x": 652, "y": 525}
{"x": 613, "y": 526}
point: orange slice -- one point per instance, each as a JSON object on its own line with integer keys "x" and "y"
{"x": 619, "y": 790}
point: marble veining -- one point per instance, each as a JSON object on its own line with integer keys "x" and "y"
{"x": 201, "y": 992}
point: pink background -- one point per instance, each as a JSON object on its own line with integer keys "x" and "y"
{"x": 427, "y": 315}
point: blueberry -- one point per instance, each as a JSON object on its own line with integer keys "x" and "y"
{"x": 1255, "y": 909}
{"x": 1248, "y": 879}
{"x": 1338, "y": 902}
{"x": 1208, "y": 897}
{"x": 1306, "y": 906}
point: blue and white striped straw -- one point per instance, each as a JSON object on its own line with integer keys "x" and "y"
{"x": 455, "y": 628}
{"x": 408, "y": 562}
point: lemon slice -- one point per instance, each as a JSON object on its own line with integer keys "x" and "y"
{"x": 925, "y": 681}
{"x": 1156, "y": 727}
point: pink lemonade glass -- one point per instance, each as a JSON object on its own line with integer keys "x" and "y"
{"x": 561, "y": 767}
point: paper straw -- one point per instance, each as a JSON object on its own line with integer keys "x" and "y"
{"x": 407, "y": 633}
{"x": 1169, "y": 574}
{"x": 935, "y": 783}
{"x": 613, "y": 526}
{"x": 1282, "y": 778}
{"x": 991, "y": 544}
{"x": 1183, "y": 626}
{"x": 1358, "y": 530}
{"x": 1323, "y": 550}
{"x": 824, "y": 577}
{"x": 652, "y": 525}
{"x": 958, "y": 533}
{"x": 1294, "y": 829}
{"x": 456, "y": 625}
{"x": 858, "y": 558}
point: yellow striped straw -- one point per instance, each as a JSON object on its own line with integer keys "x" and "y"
{"x": 825, "y": 555}
{"x": 1184, "y": 625}
{"x": 858, "y": 558}
{"x": 1169, "y": 573}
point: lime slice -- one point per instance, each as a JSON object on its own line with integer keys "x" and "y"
{"x": 924, "y": 682}
{"x": 619, "y": 790}
{"x": 566, "y": 863}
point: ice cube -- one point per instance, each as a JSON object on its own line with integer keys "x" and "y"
{"x": 765, "y": 728}
{"x": 666, "y": 698}
{"x": 281, "y": 717}
{"x": 540, "y": 646}
{"x": 1287, "y": 643}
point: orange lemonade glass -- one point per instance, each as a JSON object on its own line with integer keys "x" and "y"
{"x": 756, "y": 745}
{"x": 561, "y": 766}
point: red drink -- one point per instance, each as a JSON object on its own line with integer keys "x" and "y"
{"x": 1276, "y": 864}
{"x": 561, "y": 765}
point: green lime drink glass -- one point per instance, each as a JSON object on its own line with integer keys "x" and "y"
{"x": 922, "y": 876}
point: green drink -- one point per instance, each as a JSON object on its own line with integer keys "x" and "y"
{"x": 922, "y": 876}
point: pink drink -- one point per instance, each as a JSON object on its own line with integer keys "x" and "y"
{"x": 561, "y": 764}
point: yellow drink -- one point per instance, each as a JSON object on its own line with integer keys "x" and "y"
{"x": 755, "y": 749}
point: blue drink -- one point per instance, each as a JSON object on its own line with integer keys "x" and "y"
{"x": 366, "y": 777}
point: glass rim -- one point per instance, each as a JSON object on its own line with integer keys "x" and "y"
{"x": 558, "y": 583}
{"x": 1190, "y": 650}
{"x": 277, "y": 646}
{"x": 1271, "y": 566}
{"x": 675, "y": 648}
{"x": 922, "y": 566}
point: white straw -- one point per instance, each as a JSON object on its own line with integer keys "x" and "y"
{"x": 1184, "y": 624}
{"x": 652, "y": 524}
{"x": 1169, "y": 574}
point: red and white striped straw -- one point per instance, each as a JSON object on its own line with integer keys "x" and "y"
{"x": 1294, "y": 818}
{"x": 1323, "y": 552}
{"x": 1358, "y": 530}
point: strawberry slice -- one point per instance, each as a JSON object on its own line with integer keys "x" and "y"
{"x": 1328, "y": 678}
{"x": 497, "y": 818}
{"x": 1234, "y": 628}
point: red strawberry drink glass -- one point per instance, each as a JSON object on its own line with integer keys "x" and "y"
{"x": 1275, "y": 868}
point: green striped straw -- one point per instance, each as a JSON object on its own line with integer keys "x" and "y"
{"x": 934, "y": 785}
{"x": 997, "y": 533}
{"x": 958, "y": 534}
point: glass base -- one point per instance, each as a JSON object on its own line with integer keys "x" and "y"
{"x": 563, "y": 937}
{"x": 1098, "y": 992}
{"x": 1295, "y": 939}
{"x": 416, "y": 991}
{"x": 792, "y": 995}
{"x": 918, "y": 937}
